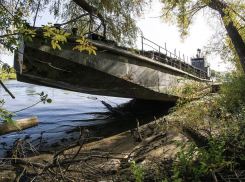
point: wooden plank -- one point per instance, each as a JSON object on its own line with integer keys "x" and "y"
{"x": 22, "y": 123}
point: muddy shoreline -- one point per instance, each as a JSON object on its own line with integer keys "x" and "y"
{"x": 116, "y": 123}
{"x": 157, "y": 142}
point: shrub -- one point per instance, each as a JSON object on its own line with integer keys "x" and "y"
{"x": 233, "y": 92}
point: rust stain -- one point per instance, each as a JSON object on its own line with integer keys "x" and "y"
{"x": 128, "y": 77}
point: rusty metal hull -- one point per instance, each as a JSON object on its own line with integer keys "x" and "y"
{"x": 112, "y": 72}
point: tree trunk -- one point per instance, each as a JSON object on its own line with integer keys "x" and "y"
{"x": 232, "y": 31}
{"x": 91, "y": 10}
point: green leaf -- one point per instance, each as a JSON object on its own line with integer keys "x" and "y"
{"x": 49, "y": 101}
{"x": 203, "y": 163}
{"x": 29, "y": 38}
{"x": 10, "y": 122}
{"x": 12, "y": 114}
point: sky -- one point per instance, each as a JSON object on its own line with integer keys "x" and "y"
{"x": 161, "y": 33}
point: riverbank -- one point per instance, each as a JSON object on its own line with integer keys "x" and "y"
{"x": 145, "y": 149}
{"x": 139, "y": 109}
{"x": 146, "y": 152}
{"x": 152, "y": 144}
{"x": 155, "y": 143}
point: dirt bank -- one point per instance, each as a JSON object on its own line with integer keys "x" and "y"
{"x": 87, "y": 161}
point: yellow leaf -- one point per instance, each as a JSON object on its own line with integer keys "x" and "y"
{"x": 94, "y": 48}
{"x": 94, "y": 52}
{"x": 67, "y": 34}
{"x": 23, "y": 66}
{"x": 21, "y": 62}
{"x": 54, "y": 45}
{"x": 58, "y": 46}
{"x": 79, "y": 40}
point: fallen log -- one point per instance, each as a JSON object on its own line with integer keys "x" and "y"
{"x": 113, "y": 110}
{"x": 22, "y": 123}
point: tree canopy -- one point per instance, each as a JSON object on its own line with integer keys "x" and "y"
{"x": 230, "y": 13}
{"x": 116, "y": 19}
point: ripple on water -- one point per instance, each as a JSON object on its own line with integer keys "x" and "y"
{"x": 67, "y": 111}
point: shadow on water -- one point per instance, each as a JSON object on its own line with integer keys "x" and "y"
{"x": 60, "y": 122}
{"x": 110, "y": 123}
{"x": 144, "y": 111}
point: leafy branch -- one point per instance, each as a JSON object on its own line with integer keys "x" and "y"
{"x": 85, "y": 45}
{"x": 55, "y": 35}
{"x": 6, "y": 116}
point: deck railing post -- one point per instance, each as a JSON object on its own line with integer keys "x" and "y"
{"x": 142, "y": 39}
{"x": 166, "y": 49}
{"x": 174, "y": 58}
{"x": 180, "y": 64}
{"x": 159, "y": 53}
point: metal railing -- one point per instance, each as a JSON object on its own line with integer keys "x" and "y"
{"x": 170, "y": 58}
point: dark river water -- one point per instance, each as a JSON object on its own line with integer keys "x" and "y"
{"x": 60, "y": 121}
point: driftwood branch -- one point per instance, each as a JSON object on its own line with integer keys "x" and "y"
{"x": 22, "y": 123}
{"x": 216, "y": 171}
{"x": 7, "y": 90}
{"x": 138, "y": 131}
{"x": 73, "y": 145}
{"x": 113, "y": 110}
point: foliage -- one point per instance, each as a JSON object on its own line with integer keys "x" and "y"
{"x": 226, "y": 15}
{"x": 6, "y": 76}
{"x": 44, "y": 98}
{"x": 6, "y": 72}
{"x": 85, "y": 45}
{"x": 194, "y": 162}
{"x": 14, "y": 30}
{"x": 6, "y": 67}
{"x": 11, "y": 22}
{"x": 138, "y": 172}
{"x": 233, "y": 92}
{"x": 221, "y": 77}
{"x": 183, "y": 12}
{"x": 220, "y": 118}
{"x": 176, "y": 180}
{"x": 55, "y": 35}
{"x": 6, "y": 116}
{"x": 116, "y": 19}
{"x": 119, "y": 17}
